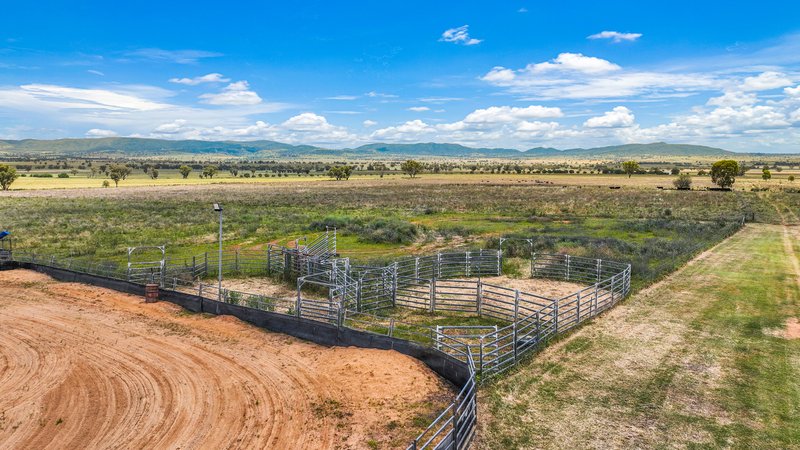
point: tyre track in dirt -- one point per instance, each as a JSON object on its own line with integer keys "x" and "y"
{"x": 85, "y": 367}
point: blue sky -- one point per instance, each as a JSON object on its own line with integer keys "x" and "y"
{"x": 517, "y": 74}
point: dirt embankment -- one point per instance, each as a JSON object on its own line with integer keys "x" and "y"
{"x": 86, "y": 367}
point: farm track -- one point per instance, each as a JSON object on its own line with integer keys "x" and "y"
{"x": 675, "y": 366}
{"x": 86, "y": 367}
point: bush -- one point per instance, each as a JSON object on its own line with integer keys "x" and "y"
{"x": 63, "y": 175}
{"x": 377, "y": 231}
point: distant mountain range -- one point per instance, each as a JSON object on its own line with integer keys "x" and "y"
{"x": 141, "y": 147}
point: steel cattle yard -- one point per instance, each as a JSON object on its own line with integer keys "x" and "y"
{"x": 344, "y": 296}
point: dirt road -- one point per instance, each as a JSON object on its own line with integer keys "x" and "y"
{"x": 85, "y": 367}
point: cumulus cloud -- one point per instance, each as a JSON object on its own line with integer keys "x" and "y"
{"x": 234, "y": 94}
{"x": 459, "y": 35}
{"x": 499, "y": 114}
{"x": 792, "y": 91}
{"x": 412, "y": 130}
{"x": 616, "y": 36}
{"x": 734, "y": 98}
{"x": 209, "y": 78}
{"x": 369, "y": 123}
{"x": 766, "y": 81}
{"x": 573, "y": 62}
{"x": 618, "y": 117}
{"x": 575, "y": 76}
{"x": 100, "y": 133}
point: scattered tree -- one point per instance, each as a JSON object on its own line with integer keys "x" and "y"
{"x": 106, "y": 183}
{"x": 185, "y": 171}
{"x": 630, "y": 167}
{"x": 340, "y": 172}
{"x": 675, "y": 171}
{"x": 743, "y": 168}
{"x": 210, "y": 170}
{"x": 766, "y": 174}
{"x": 683, "y": 182}
{"x": 411, "y": 168}
{"x": 7, "y": 176}
{"x": 791, "y": 178}
{"x": 118, "y": 172}
{"x": 723, "y": 172}
{"x": 154, "y": 173}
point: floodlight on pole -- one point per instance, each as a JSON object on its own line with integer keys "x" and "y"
{"x": 218, "y": 208}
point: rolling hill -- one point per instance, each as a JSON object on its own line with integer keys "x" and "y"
{"x": 141, "y": 147}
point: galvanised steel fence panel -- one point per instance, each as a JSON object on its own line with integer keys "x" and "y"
{"x": 533, "y": 319}
{"x": 456, "y": 295}
{"x": 414, "y": 293}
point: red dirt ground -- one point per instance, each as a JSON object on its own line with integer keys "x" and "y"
{"x": 86, "y": 367}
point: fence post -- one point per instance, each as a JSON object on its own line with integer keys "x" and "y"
{"x": 516, "y": 317}
{"x": 394, "y": 285}
{"x": 480, "y": 358}
{"x": 555, "y": 317}
{"x": 596, "y": 292}
{"x": 455, "y": 424}
{"x": 358, "y": 293}
{"x": 391, "y": 327}
{"x": 416, "y": 267}
{"x": 538, "y": 328}
{"x": 206, "y": 270}
{"x": 269, "y": 259}
{"x": 200, "y": 290}
{"x": 479, "y": 299}
{"x": 578, "y": 320}
{"x": 567, "y": 267}
{"x": 433, "y": 294}
{"x": 299, "y": 286}
{"x": 438, "y": 265}
{"x": 599, "y": 263}
{"x": 466, "y": 269}
{"x": 613, "y": 282}
{"x": 533, "y": 265}
{"x": 499, "y": 263}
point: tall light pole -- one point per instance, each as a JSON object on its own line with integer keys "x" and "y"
{"x": 218, "y": 208}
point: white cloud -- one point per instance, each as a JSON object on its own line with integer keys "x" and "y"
{"x": 616, "y": 36}
{"x": 575, "y": 76}
{"x": 412, "y": 130}
{"x": 619, "y": 117}
{"x": 574, "y": 62}
{"x": 234, "y": 94}
{"x": 209, "y": 78}
{"x": 373, "y": 94}
{"x": 500, "y": 114}
{"x": 369, "y": 123}
{"x": 792, "y": 91}
{"x": 342, "y": 97}
{"x": 734, "y": 98}
{"x": 100, "y": 133}
{"x": 419, "y": 108}
{"x": 459, "y": 35}
{"x": 174, "y": 56}
{"x": 766, "y": 81}
{"x": 522, "y": 10}
{"x": 96, "y": 72}
{"x": 77, "y": 98}
{"x": 440, "y": 99}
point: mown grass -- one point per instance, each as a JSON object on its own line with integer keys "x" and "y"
{"x": 698, "y": 362}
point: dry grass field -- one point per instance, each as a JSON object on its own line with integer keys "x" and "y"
{"x": 86, "y": 367}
